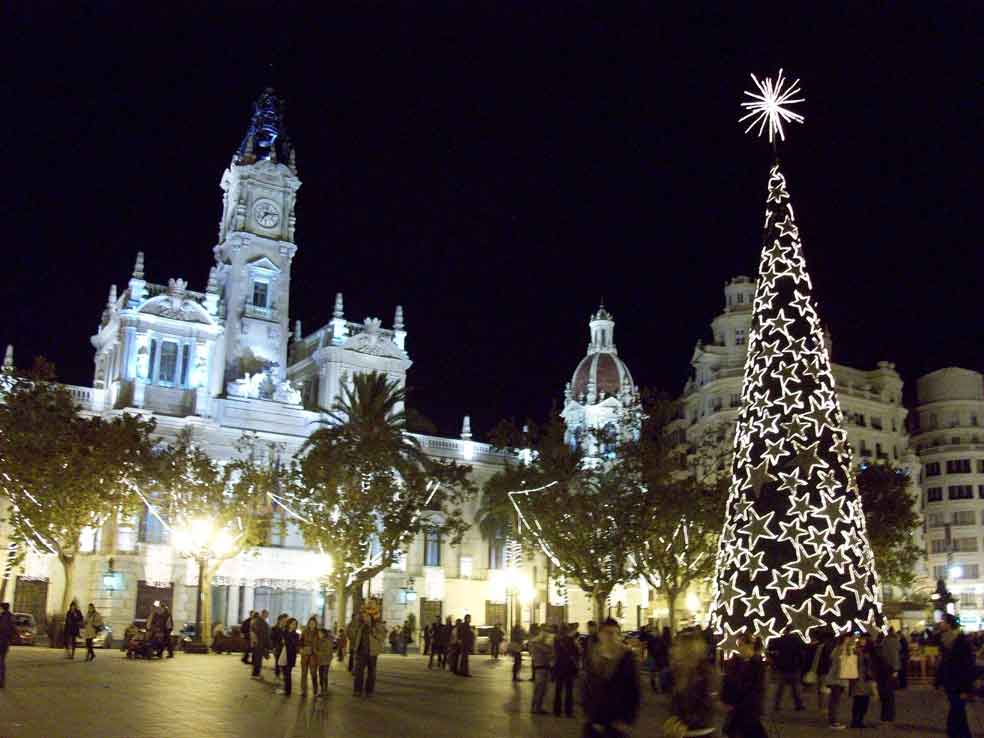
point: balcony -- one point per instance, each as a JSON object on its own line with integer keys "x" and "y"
{"x": 258, "y": 311}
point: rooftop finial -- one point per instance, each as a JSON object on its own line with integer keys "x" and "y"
{"x": 138, "y": 266}
{"x": 339, "y": 307}
{"x": 111, "y": 301}
{"x": 292, "y": 161}
{"x": 8, "y": 360}
{"x": 297, "y": 330}
{"x": 466, "y": 433}
{"x": 213, "y": 281}
{"x": 398, "y": 319}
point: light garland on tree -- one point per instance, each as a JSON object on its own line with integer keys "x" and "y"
{"x": 794, "y": 554}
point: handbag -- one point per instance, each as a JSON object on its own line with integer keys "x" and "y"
{"x": 810, "y": 677}
{"x": 847, "y": 667}
{"x": 282, "y": 658}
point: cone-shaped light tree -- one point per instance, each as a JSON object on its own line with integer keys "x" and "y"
{"x": 794, "y": 554}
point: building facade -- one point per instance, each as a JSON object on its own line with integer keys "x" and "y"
{"x": 948, "y": 434}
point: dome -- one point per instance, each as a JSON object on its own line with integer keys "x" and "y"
{"x": 608, "y": 372}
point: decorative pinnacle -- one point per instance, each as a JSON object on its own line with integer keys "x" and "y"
{"x": 339, "y": 307}
{"x": 8, "y": 359}
{"x": 111, "y": 301}
{"x": 292, "y": 160}
{"x": 212, "y": 287}
{"x": 770, "y": 108}
{"x": 398, "y": 319}
{"x": 297, "y": 330}
{"x": 138, "y": 266}
{"x": 466, "y": 433}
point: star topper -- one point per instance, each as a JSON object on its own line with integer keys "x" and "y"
{"x": 770, "y": 108}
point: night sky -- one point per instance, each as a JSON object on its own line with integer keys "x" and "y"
{"x": 497, "y": 170}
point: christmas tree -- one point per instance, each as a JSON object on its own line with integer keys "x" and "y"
{"x": 794, "y": 554}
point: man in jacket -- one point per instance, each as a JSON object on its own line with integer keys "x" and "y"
{"x": 6, "y": 636}
{"x": 956, "y": 676}
{"x": 259, "y": 636}
{"x": 368, "y": 641}
{"x": 566, "y": 658}
{"x": 466, "y": 644}
{"x": 437, "y": 643}
{"x": 167, "y": 626}
{"x": 541, "y": 651}
{"x": 244, "y": 631}
{"x": 495, "y": 641}
{"x": 887, "y": 662}
{"x": 787, "y": 659}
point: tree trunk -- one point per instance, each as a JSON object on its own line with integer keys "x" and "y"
{"x": 341, "y": 604}
{"x": 208, "y": 576}
{"x": 68, "y": 566}
{"x": 358, "y": 596}
{"x": 671, "y": 599}
{"x": 600, "y": 599}
{"x": 8, "y": 570}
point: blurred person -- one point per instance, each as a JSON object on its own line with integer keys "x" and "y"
{"x": 691, "y": 702}
{"x": 565, "y": 665}
{"x": 610, "y": 693}
{"x": 955, "y": 675}
{"x": 743, "y": 692}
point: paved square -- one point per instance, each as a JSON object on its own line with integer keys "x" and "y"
{"x": 192, "y": 696}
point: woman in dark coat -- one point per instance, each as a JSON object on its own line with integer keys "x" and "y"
{"x": 73, "y": 626}
{"x": 743, "y": 691}
{"x": 611, "y": 686}
{"x": 288, "y": 657}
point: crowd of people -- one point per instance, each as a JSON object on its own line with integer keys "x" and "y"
{"x": 839, "y": 673}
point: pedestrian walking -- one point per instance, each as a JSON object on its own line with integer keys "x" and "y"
{"x": 428, "y": 636}
{"x": 91, "y": 625}
{"x": 887, "y": 661}
{"x": 787, "y": 660}
{"x": 861, "y": 688}
{"x": 466, "y": 645}
{"x": 310, "y": 638}
{"x": 903, "y": 661}
{"x": 367, "y": 643}
{"x": 437, "y": 643}
{"x": 588, "y": 642}
{"x": 565, "y": 660}
{"x": 743, "y": 692}
{"x": 496, "y": 636}
{"x": 454, "y": 646}
{"x": 288, "y": 655}
{"x": 658, "y": 659}
{"x": 259, "y": 635}
{"x": 277, "y": 641}
{"x": 73, "y": 627}
{"x": 541, "y": 653}
{"x": 691, "y": 704}
{"x": 167, "y": 627}
{"x": 341, "y": 643}
{"x": 955, "y": 675}
{"x": 611, "y": 685}
{"x": 515, "y": 649}
{"x": 350, "y": 631}
{"x": 6, "y": 636}
{"x": 244, "y": 630}
{"x": 406, "y": 638}
{"x": 325, "y": 649}
{"x": 843, "y": 668}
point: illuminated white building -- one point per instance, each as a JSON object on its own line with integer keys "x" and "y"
{"x": 948, "y": 434}
{"x": 223, "y": 361}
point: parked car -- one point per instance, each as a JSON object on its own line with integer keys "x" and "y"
{"x": 103, "y": 639}
{"x": 482, "y": 643}
{"x": 231, "y": 642}
{"x": 25, "y": 629}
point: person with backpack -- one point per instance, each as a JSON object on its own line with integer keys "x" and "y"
{"x": 887, "y": 661}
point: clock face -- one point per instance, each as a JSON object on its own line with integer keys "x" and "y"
{"x": 266, "y": 213}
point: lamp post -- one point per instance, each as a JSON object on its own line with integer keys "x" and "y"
{"x": 202, "y": 540}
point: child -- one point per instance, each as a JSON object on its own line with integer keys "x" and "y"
{"x": 326, "y": 646}
{"x": 288, "y": 656}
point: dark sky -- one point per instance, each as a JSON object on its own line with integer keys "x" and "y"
{"x": 497, "y": 168}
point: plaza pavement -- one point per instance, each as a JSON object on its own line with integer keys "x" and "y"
{"x": 193, "y": 695}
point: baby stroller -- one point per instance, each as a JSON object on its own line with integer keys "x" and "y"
{"x": 140, "y": 646}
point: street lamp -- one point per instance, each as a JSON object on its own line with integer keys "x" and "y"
{"x": 202, "y": 541}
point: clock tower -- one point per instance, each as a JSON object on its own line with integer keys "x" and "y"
{"x": 255, "y": 250}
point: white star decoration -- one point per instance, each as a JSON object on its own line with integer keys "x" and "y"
{"x": 770, "y": 106}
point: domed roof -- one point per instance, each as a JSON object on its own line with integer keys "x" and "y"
{"x": 608, "y": 373}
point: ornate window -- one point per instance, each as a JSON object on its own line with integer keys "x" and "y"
{"x": 432, "y": 547}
